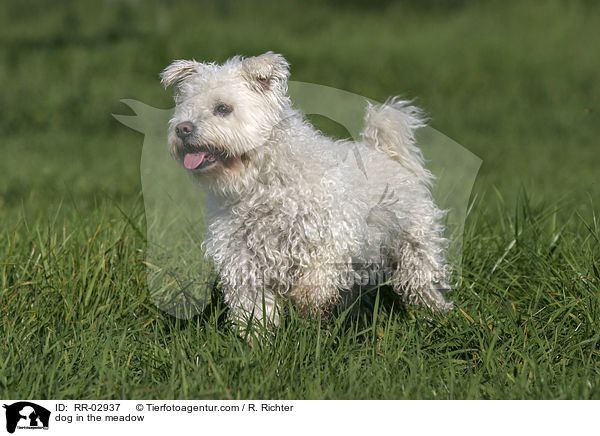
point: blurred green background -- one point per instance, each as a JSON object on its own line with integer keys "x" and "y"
{"x": 514, "y": 82}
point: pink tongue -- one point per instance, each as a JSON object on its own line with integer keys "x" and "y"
{"x": 193, "y": 160}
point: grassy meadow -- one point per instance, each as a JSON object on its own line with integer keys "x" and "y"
{"x": 515, "y": 82}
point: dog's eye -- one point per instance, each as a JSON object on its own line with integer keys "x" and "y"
{"x": 222, "y": 109}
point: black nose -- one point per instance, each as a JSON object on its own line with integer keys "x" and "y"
{"x": 184, "y": 129}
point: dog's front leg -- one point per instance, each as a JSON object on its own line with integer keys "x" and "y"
{"x": 317, "y": 288}
{"x": 252, "y": 311}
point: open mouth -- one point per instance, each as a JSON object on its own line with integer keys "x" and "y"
{"x": 200, "y": 159}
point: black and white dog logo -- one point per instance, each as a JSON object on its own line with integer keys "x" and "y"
{"x": 26, "y": 415}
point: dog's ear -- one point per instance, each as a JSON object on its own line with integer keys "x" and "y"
{"x": 178, "y": 71}
{"x": 266, "y": 71}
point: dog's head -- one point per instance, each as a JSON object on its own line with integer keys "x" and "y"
{"x": 224, "y": 112}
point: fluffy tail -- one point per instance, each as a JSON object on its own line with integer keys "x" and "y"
{"x": 391, "y": 128}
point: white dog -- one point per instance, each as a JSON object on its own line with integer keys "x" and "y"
{"x": 297, "y": 218}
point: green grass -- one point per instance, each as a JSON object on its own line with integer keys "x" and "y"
{"x": 78, "y": 323}
{"x": 514, "y": 82}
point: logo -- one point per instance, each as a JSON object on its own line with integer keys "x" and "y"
{"x": 181, "y": 279}
{"x": 26, "y": 415}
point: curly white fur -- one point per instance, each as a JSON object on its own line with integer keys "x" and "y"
{"x": 294, "y": 218}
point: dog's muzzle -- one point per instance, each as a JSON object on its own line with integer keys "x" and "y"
{"x": 194, "y": 156}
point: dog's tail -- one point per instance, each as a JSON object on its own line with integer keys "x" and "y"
{"x": 391, "y": 127}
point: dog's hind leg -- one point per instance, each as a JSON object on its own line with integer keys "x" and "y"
{"x": 421, "y": 273}
{"x": 421, "y": 280}
{"x": 415, "y": 240}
